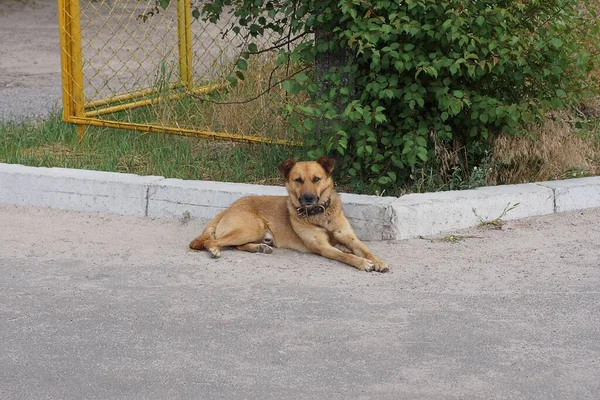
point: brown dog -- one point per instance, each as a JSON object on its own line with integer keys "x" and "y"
{"x": 310, "y": 219}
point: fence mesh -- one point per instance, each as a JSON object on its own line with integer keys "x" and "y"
{"x": 134, "y": 65}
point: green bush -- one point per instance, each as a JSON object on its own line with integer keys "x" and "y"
{"x": 416, "y": 75}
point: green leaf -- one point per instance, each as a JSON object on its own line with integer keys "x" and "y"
{"x": 164, "y": 3}
{"x": 292, "y": 86}
{"x": 309, "y": 124}
{"x": 380, "y": 118}
{"x": 384, "y": 180}
{"x": 232, "y": 81}
{"x": 556, "y": 43}
{"x": 301, "y": 77}
{"x": 242, "y": 64}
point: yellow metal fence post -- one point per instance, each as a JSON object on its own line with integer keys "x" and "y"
{"x": 71, "y": 62}
{"x": 74, "y": 106}
{"x": 184, "y": 33}
{"x": 64, "y": 21}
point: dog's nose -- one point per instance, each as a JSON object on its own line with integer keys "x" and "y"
{"x": 308, "y": 199}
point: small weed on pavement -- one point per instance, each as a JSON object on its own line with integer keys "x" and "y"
{"x": 497, "y": 222}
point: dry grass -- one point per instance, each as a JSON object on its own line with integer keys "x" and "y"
{"x": 555, "y": 150}
{"x": 59, "y": 153}
{"x": 135, "y": 163}
{"x": 263, "y": 114}
{"x": 251, "y": 107}
{"x": 53, "y": 150}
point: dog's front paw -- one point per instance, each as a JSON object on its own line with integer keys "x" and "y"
{"x": 380, "y": 266}
{"x": 365, "y": 265}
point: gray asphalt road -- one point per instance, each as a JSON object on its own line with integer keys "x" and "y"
{"x": 29, "y": 59}
{"x": 95, "y": 306}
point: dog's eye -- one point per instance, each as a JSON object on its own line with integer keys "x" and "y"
{"x": 299, "y": 180}
{"x": 316, "y": 179}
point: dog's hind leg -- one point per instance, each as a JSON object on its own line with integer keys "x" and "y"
{"x": 264, "y": 247}
{"x": 241, "y": 239}
{"x": 256, "y": 248}
{"x": 242, "y": 230}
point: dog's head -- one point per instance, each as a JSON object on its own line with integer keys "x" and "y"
{"x": 308, "y": 183}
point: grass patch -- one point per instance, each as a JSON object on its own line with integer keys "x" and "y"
{"x": 565, "y": 145}
{"x": 53, "y": 143}
{"x": 558, "y": 150}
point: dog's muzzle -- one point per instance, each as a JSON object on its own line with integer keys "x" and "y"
{"x": 308, "y": 200}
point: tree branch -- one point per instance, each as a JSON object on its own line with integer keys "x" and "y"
{"x": 267, "y": 90}
{"x": 279, "y": 45}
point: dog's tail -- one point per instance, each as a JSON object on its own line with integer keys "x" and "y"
{"x": 198, "y": 243}
{"x": 208, "y": 234}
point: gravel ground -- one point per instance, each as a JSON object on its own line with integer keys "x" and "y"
{"x": 98, "y": 306}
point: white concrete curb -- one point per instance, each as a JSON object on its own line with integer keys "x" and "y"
{"x": 72, "y": 189}
{"x": 575, "y": 194}
{"x": 372, "y": 217}
{"x": 424, "y": 214}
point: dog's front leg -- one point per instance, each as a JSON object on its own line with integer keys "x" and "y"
{"x": 333, "y": 253}
{"x": 317, "y": 241}
{"x": 345, "y": 236}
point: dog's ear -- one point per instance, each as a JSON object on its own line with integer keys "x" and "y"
{"x": 327, "y": 164}
{"x": 285, "y": 168}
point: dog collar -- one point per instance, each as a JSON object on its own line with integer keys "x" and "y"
{"x": 304, "y": 212}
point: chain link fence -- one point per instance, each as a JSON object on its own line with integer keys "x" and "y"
{"x": 131, "y": 64}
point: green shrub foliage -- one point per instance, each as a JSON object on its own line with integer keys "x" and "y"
{"x": 418, "y": 73}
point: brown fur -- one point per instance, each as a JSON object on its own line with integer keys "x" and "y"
{"x": 253, "y": 223}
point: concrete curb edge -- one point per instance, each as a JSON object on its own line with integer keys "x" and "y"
{"x": 372, "y": 217}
